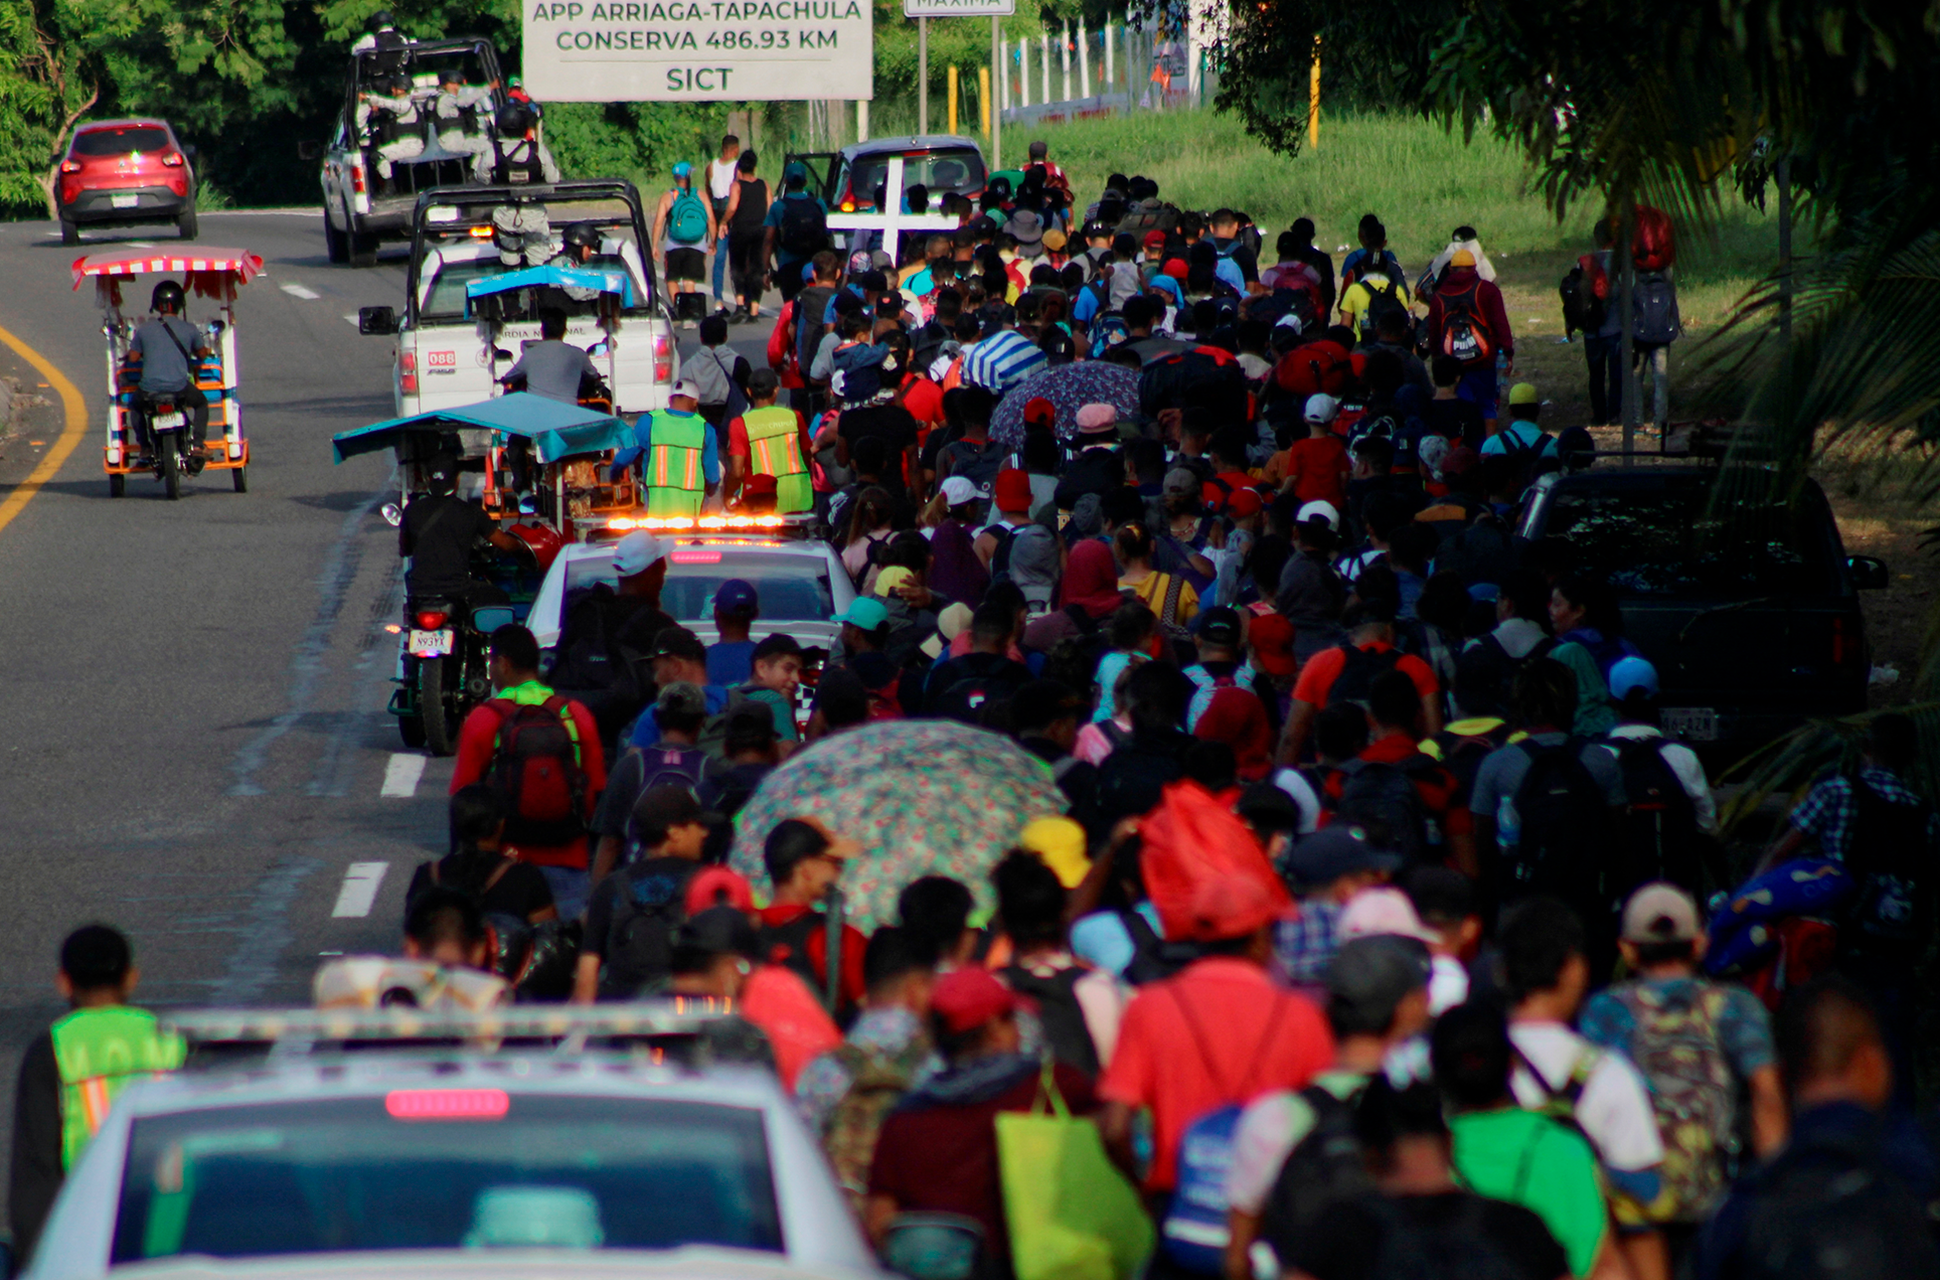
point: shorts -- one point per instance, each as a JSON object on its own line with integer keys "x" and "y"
{"x": 686, "y": 264}
{"x": 1478, "y": 386}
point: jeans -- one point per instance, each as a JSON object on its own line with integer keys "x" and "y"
{"x": 1653, "y": 362}
{"x": 1605, "y": 356}
{"x": 1479, "y": 386}
{"x": 571, "y": 888}
{"x": 720, "y": 253}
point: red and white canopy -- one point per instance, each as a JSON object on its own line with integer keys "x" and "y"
{"x": 240, "y": 264}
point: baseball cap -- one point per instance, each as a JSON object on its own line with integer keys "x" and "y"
{"x": 794, "y": 171}
{"x": 950, "y": 624}
{"x": 1229, "y": 906}
{"x": 1336, "y": 850}
{"x": 735, "y": 594}
{"x": 1460, "y": 460}
{"x": 720, "y": 931}
{"x": 718, "y": 887}
{"x": 681, "y": 698}
{"x": 1381, "y": 912}
{"x": 1461, "y": 258}
{"x": 1524, "y": 393}
{"x": 1013, "y": 490}
{"x": 637, "y": 553}
{"x": 864, "y": 612}
{"x": 958, "y": 490}
{"x": 1220, "y": 626}
{"x": 891, "y": 578}
{"x": 442, "y": 467}
{"x": 1373, "y": 975}
{"x": 686, "y": 387}
{"x": 1154, "y": 240}
{"x": 968, "y": 998}
{"x": 1098, "y": 420}
{"x": 1242, "y": 503}
{"x": 1322, "y": 407}
{"x": 682, "y": 169}
{"x": 1660, "y": 912}
{"x": 678, "y": 642}
{"x": 859, "y": 261}
{"x": 1630, "y": 675}
{"x": 1040, "y": 410}
{"x": 1180, "y": 481}
{"x": 1059, "y": 844}
{"x": 1320, "y": 510}
{"x": 671, "y": 804}
{"x": 1271, "y": 638}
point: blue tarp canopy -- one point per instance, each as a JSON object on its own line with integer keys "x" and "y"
{"x": 619, "y": 282}
{"x": 557, "y": 430}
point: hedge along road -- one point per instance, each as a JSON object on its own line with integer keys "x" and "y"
{"x": 196, "y": 741}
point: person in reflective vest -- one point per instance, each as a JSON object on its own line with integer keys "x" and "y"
{"x": 680, "y": 462}
{"x": 70, "y": 1077}
{"x": 767, "y": 441}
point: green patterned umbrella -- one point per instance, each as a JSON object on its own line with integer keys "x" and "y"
{"x": 921, "y": 797}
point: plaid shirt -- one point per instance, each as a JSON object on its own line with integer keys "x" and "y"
{"x": 1305, "y": 945}
{"x": 1828, "y": 810}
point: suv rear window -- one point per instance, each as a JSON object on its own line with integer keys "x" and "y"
{"x": 954, "y": 171}
{"x": 117, "y": 142}
{"x": 791, "y": 588}
{"x": 1674, "y": 540}
{"x": 409, "y": 1171}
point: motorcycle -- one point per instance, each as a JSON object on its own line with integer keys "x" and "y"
{"x": 166, "y": 434}
{"x": 444, "y": 669}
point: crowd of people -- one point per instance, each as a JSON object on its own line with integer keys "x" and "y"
{"x": 1375, "y": 937}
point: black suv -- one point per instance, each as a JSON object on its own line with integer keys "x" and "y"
{"x": 1740, "y": 593}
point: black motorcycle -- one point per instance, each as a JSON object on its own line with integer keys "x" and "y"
{"x": 443, "y": 669}
{"x": 165, "y": 434}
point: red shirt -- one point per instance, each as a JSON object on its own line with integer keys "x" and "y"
{"x": 478, "y": 741}
{"x": 1219, "y": 1033}
{"x": 1318, "y": 467}
{"x": 1318, "y": 676}
{"x": 924, "y": 400}
{"x": 818, "y": 948}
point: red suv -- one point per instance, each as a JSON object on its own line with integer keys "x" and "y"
{"x": 121, "y": 171}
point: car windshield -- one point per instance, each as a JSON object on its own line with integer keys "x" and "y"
{"x": 117, "y": 142}
{"x": 444, "y": 296}
{"x": 790, "y": 588}
{"x": 1672, "y": 540}
{"x": 444, "y": 1169}
{"x": 957, "y": 170}
{"x": 427, "y": 69}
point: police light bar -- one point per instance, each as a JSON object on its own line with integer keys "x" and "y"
{"x": 696, "y": 524}
{"x": 401, "y": 1025}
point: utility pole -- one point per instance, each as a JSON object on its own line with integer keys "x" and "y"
{"x": 996, "y": 116}
{"x": 923, "y": 75}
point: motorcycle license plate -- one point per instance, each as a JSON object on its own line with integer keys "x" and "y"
{"x": 123, "y": 202}
{"x": 1693, "y": 724}
{"x": 429, "y": 644}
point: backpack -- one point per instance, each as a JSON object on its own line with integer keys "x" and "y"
{"x": 687, "y": 219}
{"x": 787, "y": 945}
{"x": 1655, "y": 244}
{"x": 713, "y": 740}
{"x": 1563, "y": 817}
{"x": 1487, "y": 668}
{"x": 1314, "y": 367}
{"x": 877, "y": 1082}
{"x": 1301, "y": 304}
{"x": 804, "y": 229}
{"x": 1153, "y": 958}
{"x": 1576, "y": 313}
{"x": 1066, "y": 1033}
{"x": 1693, "y": 1092}
{"x": 1829, "y": 1208}
{"x": 1560, "y": 1101}
{"x": 1325, "y": 1166}
{"x": 1653, "y": 309}
{"x": 1355, "y": 683}
{"x": 1107, "y": 330}
{"x": 1461, "y": 1250}
{"x": 1149, "y": 214}
{"x": 672, "y": 766}
{"x": 1383, "y": 288}
{"x": 810, "y": 303}
{"x": 536, "y": 767}
{"x": 639, "y": 944}
{"x": 1465, "y": 333}
{"x": 1885, "y": 854}
{"x": 969, "y": 699}
{"x": 1662, "y": 830}
{"x": 1383, "y": 799}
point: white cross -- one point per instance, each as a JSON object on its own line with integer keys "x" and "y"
{"x": 892, "y": 221}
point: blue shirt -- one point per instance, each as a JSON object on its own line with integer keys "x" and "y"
{"x": 643, "y": 436}
{"x": 1085, "y": 306}
{"x": 1102, "y": 940}
{"x": 646, "y": 730}
{"x": 1228, "y": 270}
{"x": 1527, "y": 435}
{"x": 730, "y": 662}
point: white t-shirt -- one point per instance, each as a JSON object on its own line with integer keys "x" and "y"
{"x": 1301, "y": 792}
{"x": 1614, "y": 1108}
{"x": 1447, "y": 984}
{"x": 720, "y": 178}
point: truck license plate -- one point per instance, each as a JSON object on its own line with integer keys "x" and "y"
{"x": 1693, "y": 724}
{"x": 429, "y": 644}
{"x": 123, "y": 202}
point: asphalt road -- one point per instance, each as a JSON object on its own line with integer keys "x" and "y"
{"x": 195, "y": 746}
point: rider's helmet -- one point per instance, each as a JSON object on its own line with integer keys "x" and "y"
{"x": 168, "y": 298}
{"x": 379, "y": 21}
{"x": 581, "y": 235}
{"x": 544, "y": 540}
{"x": 513, "y": 120}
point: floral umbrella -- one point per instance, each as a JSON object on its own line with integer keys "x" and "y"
{"x": 921, "y": 797}
{"x": 1069, "y": 387}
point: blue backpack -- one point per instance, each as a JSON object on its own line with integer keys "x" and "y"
{"x": 687, "y": 220}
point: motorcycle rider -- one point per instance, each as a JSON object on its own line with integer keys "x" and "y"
{"x": 553, "y": 367}
{"x": 438, "y": 533}
{"x": 170, "y": 348}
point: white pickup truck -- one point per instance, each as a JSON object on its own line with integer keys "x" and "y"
{"x": 455, "y": 342}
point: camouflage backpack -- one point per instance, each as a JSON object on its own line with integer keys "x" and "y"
{"x": 1692, "y": 1089}
{"x": 877, "y": 1082}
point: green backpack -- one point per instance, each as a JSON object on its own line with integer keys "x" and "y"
{"x": 1693, "y": 1091}
{"x": 877, "y": 1082}
{"x": 687, "y": 220}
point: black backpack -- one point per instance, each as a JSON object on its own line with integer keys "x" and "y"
{"x": 639, "y": 944}
{"x": 1356, "y": 680}
{"x": 1382, "y": 284}
{"x": 1059, "y": 1012}
{"x": 787, "y": 945}
{"x": 1662, "y": 830}
{"x": 1325, "y": 1166}
{"x": 1487, "y": 667}
{"x": 1886, "y": 853}
{"x": 804, "y": 229}
{"x": 1153, "y": 957}
{"x": 1565, "y": 823}
{"x": 1461, "y": 1250}
{"x": 1382, "y": 799}
{"x": 1827, "y": 1208}
{"x": 1653, "y": 309}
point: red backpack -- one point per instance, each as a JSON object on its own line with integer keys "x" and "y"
{"x": 537, "y": 767}
{"x": 1314, "y": 367}
{"x": 1465, "y": 331}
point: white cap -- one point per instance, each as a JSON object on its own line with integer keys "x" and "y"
{"x": 637, "y": 552}
{"x": 1322, "y": 407}
{"x": 958, "y": 490}
{"x": 686, "y": 387}
{"x": 1318, "y": 510}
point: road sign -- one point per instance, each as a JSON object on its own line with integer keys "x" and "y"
{"x": 698, "y": 50}
{"x": 959, "y": 8}
{"x": 890, "y": 220}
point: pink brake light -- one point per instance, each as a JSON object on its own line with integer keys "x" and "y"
{"x": 447, "y": 1104}
{"x": 697, "y": 557}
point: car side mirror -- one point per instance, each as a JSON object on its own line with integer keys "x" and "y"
{"x": 309, "y": 149}
{"x": 1868, "y": 573}
{"x": 500, "y": 353}
{"x": 376, "y": 320}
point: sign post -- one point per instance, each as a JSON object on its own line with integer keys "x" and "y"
{"x": 923, "y": 11}
{"x": 923, "y": 75}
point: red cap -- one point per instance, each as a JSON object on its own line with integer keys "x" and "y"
{"x": 1013, "y": 491}
{"x": 1460, "y": 459}
{"x": 968, "y": 998}
{"x": 1244, "y": 503}
{"x": 1040, "y": 410}
{"x": 1176, "y": 268}
{"x": 1271, "y": 636}
{"x": 1230, "y": 906}
{"x": 718, "y": 887}
{"x": 1155, "y": 239}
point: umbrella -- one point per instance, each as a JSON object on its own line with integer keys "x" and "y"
{"x": 921, "y": 797}
{"x": 1070, "y": 387}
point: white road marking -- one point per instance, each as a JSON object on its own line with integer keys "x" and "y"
{"x": 361, "y": 879}
{"x": 401, "y": 775}
{"x": 298, "y": 291}
{"x": 140, "y": 244}
{"x": 352, "y": 318}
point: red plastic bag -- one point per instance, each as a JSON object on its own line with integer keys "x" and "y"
{"x": 1655, "y": 244}
{"x": 1191, "y": 837}
{"x": 1314, "y": 367}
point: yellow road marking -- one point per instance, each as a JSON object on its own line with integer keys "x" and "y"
{"x": 77, "y": 427}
